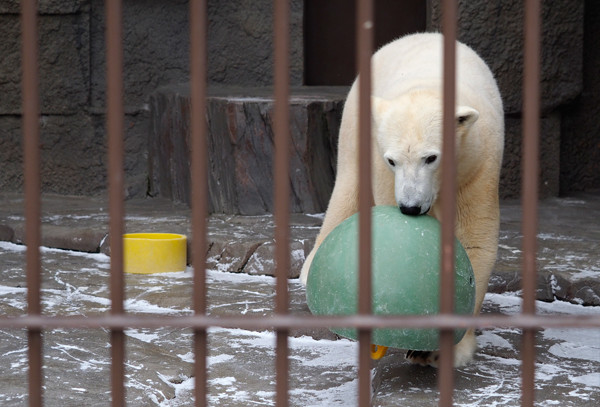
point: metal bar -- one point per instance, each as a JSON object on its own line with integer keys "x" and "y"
{"x": 281, "y": 190}
{"x": 117, "y": 374}
{"x": 114, "y": 127}
{"x": 448, "y": 198}
{"x": 482, "y": 321}
{"x": 34, "y": 340}
{"x": 31, "y": 142}
{"x": 364, "y": 41}
{"x": 199, "y": 187}
{"x": 531, "y": 127}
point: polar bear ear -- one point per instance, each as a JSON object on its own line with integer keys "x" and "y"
{"x": 466, "y": 116}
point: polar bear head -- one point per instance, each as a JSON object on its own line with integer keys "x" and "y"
{"x": 408, "y": 131}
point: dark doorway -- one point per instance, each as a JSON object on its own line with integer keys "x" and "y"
{"x": 330, "y": 35}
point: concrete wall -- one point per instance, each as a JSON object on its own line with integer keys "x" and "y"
{"x": 240, "y": 53}
{"x": 580, "y": 133}
{"x": 156, "y": 46}
{"x": 495, "y": 30}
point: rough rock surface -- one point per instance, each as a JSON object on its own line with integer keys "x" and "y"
{"x": 495, "y": 31}
{"x": 73, "y": 70}
{"x": 579, "y": 148}
{"x": 241, "y": 149}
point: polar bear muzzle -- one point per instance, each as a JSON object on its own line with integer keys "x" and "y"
{"x": 413, "y": 210}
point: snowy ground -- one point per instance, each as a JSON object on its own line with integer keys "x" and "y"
{"x": 323, "y": 372}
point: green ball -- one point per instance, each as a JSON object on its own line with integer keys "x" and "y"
{"x": 405, "y": 275}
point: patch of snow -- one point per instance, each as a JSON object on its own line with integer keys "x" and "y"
{"x": 324, "y": 352}
{"x": 222, "y": 358}
{"x": 553, "y": 236}
{"x": 590, "y": 380}
{"x": 242, "y": 337}
{"x": 547, "y": 372}
{"x": 490, "y": 339}
{"x": 297, "y": 255}
{"x": 142, "y": 336}
{"x": 215, "y": 276}
{"x": 341, "y": 395}
{"x": 183, "y": 393}
{"x": 78, "y": 389}
{"x": 144, "y": 307}
{"x": 510, "y": 304}
{"x": 554, "y": 283}
{"x": 21, "y": 350}
{"x": 513, "y": 250}
{"x": 502, "y": 361}
{"x": 585, "y": 344}
{"x": 99, "y": 257}
{"x": 223, "y": 381}
{"x": 13, "y": 247}
{"x": 4, "y": 290}
{"x": 187, "y": 357}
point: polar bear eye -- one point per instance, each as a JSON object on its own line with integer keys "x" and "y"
{"x": 391, "y": 162}
{"x": 430, "y": 159}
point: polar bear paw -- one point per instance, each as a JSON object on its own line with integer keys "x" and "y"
{"x": 463, "y": 353}
{"x": 423, "y": 358}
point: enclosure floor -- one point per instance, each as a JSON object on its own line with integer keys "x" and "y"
{"x": 241, "y": 362}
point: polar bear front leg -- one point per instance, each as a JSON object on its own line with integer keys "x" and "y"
{"x": 343, "y": 204}
{"x": 483, "y": 259}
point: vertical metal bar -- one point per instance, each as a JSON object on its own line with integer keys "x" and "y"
{"x": 114, "y": 127}
{"x": 448, "y": 198}
{"x": 282, "y": 189}
{"x": 31, "y": 141}
{"x": 365, "y": 35}
{"x": 199, "y": 185}
{"x": 531, "y": 127}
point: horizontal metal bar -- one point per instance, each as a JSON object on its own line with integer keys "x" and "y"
{"x": 293, "y": 322}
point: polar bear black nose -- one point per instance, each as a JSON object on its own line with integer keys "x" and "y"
{"x": 410, "y": 210}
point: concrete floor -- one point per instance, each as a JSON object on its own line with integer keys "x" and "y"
{"x": 323, "y": 370}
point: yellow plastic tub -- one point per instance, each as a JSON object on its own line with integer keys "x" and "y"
{"x": 146, "y": 253}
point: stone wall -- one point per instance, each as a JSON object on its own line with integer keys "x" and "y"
{"x": 580, "y": 133}
{"x": 72, "y": 80}
{"x": 495, "y": 30}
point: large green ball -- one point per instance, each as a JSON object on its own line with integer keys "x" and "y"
{"x": 405, "y": 273}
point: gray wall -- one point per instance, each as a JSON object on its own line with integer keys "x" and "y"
{"x": 240, "y": 53}
{"x": 72, "y": 79}
{"x": 495, "y": 30}
{"x": 580, "y": 136}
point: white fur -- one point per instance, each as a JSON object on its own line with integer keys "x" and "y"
{"x": 407, "y": 120}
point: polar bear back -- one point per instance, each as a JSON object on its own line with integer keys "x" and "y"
{"x": 416, "y": 61}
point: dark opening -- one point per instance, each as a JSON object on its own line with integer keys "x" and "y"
{"x": 330, "y": 35}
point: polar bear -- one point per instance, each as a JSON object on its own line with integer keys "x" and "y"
{"x": 407, "y": 143}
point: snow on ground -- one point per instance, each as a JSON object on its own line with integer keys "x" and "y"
{"x": 322, "y": 373}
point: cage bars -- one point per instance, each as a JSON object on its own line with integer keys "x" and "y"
{"x": 199, "y": 188}
{"x": 282, "y": 322}
{"x": 365, "y": 36}
{"x": 529, "y": 192}
{"x": 31, "y": 153}
{"x": 116, "y": 206}
{"x": 448, "y": 197}
{"x": 281, "y": 175}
